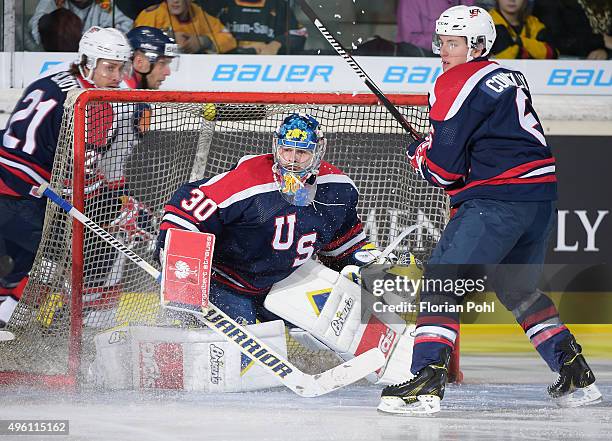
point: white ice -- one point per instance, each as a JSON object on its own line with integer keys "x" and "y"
{"x": 502, "y": 398}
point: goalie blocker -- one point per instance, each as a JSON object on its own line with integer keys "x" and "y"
{"x": 187, "y": 268}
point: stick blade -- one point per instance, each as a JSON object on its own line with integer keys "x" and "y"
{"x": 345, "y": 374}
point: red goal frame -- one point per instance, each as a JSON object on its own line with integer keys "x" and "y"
{"x": 69, "y": 380}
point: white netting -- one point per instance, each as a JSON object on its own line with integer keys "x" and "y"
{"x": 137, "y": 154}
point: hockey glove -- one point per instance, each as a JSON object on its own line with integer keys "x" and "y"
{"x": 416, "y": 156}
{"x": 135, "y": 220}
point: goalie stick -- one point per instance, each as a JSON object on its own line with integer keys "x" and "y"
{"x": 303, "y": 384}
{"x": 359, "y": 71}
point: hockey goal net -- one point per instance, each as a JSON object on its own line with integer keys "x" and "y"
{"x": 120, "y": 157}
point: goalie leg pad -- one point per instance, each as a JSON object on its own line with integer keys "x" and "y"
{"x": 332, "y": 308}
{"x": 397, "y": 369}
{"x": 183, "y": 359}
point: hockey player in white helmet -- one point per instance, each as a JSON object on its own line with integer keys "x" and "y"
{"x": 28, "y": 149}
{"x": 155, "y": 56}
{"x": 487, "y": 149}
{"x": 104, "y": 55}
{"x": 471, "y": 25}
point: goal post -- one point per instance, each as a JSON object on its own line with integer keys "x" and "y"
{"x": 123, "y": 153}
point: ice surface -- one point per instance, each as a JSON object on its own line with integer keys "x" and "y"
{"x": 487, "y": 406}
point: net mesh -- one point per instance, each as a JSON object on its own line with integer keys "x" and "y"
{"x": 137, "y": 154}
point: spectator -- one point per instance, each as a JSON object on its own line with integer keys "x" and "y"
{"x": 487, "y": 4}
{"x": 579, "y": 28}
{"x": 65, "y": 41}
{"x": 92, "y": 13}
{"x": 376, "y": 46}
{"x": 132, "y": 8}
{"x": 195, "y": 31}
{"x": 263, "y": 27}
{"x": 416, "y": 20}
{"x": 519, "y": 35}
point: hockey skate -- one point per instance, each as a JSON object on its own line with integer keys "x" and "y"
{"x": 420, "y": 395}
{"x": 4, "y": 334}
{"x": 575, "y": 385}
{"x": 7, "y": 306}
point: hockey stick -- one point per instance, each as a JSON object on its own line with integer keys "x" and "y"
{"x": 299, "y": 382}
{"x": 359, "y": 71}
{"x": 395, "y": 243}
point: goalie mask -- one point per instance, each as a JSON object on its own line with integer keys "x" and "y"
{"x": 298, "y": 148}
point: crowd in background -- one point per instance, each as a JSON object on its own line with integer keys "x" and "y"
{"x": 526, "y": 29}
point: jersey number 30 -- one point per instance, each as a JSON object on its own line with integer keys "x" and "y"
{"x": 199, "y": 205}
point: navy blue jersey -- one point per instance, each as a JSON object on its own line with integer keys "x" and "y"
{"x": 31, "y": 135}
{"x": 486, "y": 140}
{"x": 260, "y": 237}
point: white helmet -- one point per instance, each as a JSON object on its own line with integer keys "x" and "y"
{"x": 106, "y": 43}
{"x": 471, "y": 22}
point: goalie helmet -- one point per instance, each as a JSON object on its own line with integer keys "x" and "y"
{"x": 302, "y": 134}
{"x": 102, "y": 43}
{"x": 471, "y": 22}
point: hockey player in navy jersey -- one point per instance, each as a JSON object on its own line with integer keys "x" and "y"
{"x": 487, "y": 149}
{"x": 129, "y": 219}
{"x": 154, "y": 55}
{"x": 28, "y": 148}
{"x": 270, "y": 214}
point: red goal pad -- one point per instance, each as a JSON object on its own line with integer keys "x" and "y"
{"x": 120, "y": 157}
